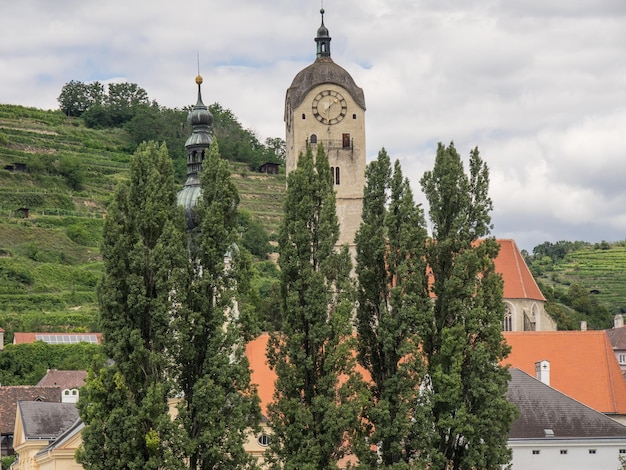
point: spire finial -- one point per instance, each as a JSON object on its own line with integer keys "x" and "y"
{"x": 323, "y": 38}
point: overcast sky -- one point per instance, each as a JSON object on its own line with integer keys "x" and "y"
{"x": 539, "y": 86}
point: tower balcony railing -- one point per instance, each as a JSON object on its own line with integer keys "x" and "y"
{"x": 332, "y": 144}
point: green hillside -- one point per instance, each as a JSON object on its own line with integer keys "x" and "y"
{"x": 65, "y": 174}
{"x": 596, "y": 270}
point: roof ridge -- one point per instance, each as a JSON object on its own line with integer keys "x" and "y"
{"x": 519, "y": 271}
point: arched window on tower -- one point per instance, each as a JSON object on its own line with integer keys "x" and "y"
{"x": 313, "y": 139}
{"x": 337, "y": 175}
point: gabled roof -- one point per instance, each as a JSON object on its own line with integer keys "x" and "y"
{"x": 617, "y": 337}
{"x": 582, "y": 365}
{"x": 64, "y": 438}
{"x": 63, "y": 379}
{"x": 9, "y": 396}
{"x": 519, "y": 283}
{"x": 543, "y": 408}
{"x": 42, "y": 420}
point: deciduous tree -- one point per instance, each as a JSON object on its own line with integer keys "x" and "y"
{"x": 466, "y": 413}
{"x": 314, "y": 408}
{"x": 125, "y": 405}
{"x": 219, "y": 407}
{"x": 392, "y": 292}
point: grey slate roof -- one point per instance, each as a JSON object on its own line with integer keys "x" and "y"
{"x": 10, "y": 395}
{"x": 76, "y": 427}
{"x": 617, "y": 337}
{"x": 323, "y": 70}
{"x": 543, "y": 408}
{"x": 43, "y": 420}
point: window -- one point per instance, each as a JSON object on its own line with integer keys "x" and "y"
{"x": 592, "y": 451}
{"x": 303, "y": 116}
{"x": 345, "y": 140}
{"x": 354, "y": 116}
{"x": 622, "y": 451}
{"x": 622, "y": 358}
{"x": 507, "y": 322}
{"x": 536, "y": 451}
{"x": 263, "y": 440}
{"x": 563, "y": 451}
{"x": 313, "y": 139}
{"x": 337, "y": 175}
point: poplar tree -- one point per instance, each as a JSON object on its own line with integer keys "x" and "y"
{"x": 392, "y": 292}
{"x": 219, "y": 407}
{"x": 464, "y": 404}
{"x": 313, "y": 412}
{"x": 124, "y": 405}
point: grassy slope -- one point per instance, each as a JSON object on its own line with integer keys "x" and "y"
{"x": 50, "y": 262}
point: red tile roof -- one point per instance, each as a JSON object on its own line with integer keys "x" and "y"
{"x": 63, "y": 378}
{"x": 582, "y": 365}
{"x": 518, "y": 281}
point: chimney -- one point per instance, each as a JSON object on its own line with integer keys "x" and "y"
{"x": 583, "y": 325}
{"x": 542, "y": 371}
{"x": 618, "y": 321}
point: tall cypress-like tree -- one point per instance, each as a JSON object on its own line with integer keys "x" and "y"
{"x": 465, "y": 407}
{"x": 393, "y": 291}
{"x": 314, "y": 408}
{"x": 124, "y": 405}
{"x": 219, "y": 407}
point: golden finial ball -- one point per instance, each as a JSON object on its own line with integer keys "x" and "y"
{"x": 199, "y": 79}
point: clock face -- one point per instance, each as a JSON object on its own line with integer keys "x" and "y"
{"x": 329, "y": 107}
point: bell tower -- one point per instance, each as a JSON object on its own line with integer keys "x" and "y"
{"x": 324, "y": 106}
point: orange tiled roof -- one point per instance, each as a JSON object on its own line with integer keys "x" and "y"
{"x": 261, "y": 374}
{"x": 518, "y": 281}
{"x": 582, "y": 365}
{"x": 263, "y": 377}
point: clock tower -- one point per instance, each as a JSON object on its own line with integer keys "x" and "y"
{"x": 324, "y": 106}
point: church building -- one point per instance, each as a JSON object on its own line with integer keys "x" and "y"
{"x": 324, "y": 106}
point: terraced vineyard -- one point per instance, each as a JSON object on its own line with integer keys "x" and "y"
{"x": 602, "y": 271}
{"x": 56, "y": 180}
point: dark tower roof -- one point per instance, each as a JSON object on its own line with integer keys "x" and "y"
{"x": 323, "y": 70}
{"x": 197, "y": 146}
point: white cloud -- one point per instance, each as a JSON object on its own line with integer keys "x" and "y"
{"x": 536, "y": 85}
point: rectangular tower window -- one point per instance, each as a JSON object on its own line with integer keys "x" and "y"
{"x": 345, "y": 140}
